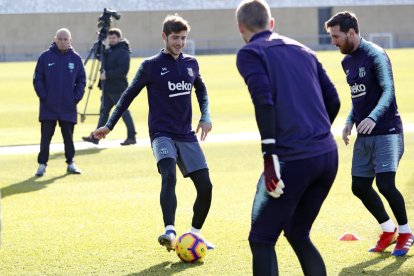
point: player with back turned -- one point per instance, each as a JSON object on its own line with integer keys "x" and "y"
{"x": 295, "y": 103}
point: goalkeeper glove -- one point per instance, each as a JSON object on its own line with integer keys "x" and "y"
{"x": 273, "y": 182}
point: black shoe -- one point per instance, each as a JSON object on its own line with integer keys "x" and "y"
{"x": 129, "y": 141}
{"x": 90, "y": 140}
{"x": 72, "y": 168}
{"x": 41, "y": 170}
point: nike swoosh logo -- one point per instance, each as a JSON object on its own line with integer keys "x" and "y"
{"x": 163, "y": 73}
{"x": 386, "y": 164}
{"x": 50, "y": 64}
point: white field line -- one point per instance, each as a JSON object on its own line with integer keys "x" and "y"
{"x": 103, "y": 144}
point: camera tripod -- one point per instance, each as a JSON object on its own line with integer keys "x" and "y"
{"x": 98, "y": 48}
{"x": 98, "y": 65}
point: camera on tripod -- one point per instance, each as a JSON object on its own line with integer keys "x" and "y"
{"x": 104, "y": 23}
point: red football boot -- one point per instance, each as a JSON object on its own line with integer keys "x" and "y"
{"x": 404, "y": 242}
{"x": 385, "y": 240}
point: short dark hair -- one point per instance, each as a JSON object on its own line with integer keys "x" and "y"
{"x": 253, "y": 14}
{"x": 115, "y": 31}
{"x": 174, "y": 23}
{"x": 346, "y": 20}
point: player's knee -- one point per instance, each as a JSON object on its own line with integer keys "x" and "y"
{"x": 357, "y": 190}
{"x": 167, "y": 170}
{"x": 206, "y": 189}
{"x": 258, "y": 237}
{"x": 257, "y": 247}
{"x": 360, "y": 185}
{"x": 294, "y": 236}
{"x": 166, "y": 166}
{"x": 386, "y": 183}
{"x": 168, "y": 185}
{"x": 386, "y": 188}
{"x": 202, "y": 182}
{"x": 168, "y": 178}
{"x": 298, "y": 241}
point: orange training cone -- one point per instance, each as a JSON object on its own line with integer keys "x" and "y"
{"x": 349, "y": 237}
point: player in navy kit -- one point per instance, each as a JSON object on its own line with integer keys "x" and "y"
{"x": 169, "y": 78}
{"x": 295, "y": 104}
{"x": 380, "y": 143}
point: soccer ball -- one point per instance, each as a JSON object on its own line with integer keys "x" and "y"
{"x": 190, "y": 248}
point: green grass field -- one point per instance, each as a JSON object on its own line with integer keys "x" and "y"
{"x": 107, "y": 220}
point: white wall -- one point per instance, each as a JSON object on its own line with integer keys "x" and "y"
{"x": 77, "y": 6}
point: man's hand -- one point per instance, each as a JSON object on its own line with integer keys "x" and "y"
{"x": 346, "y": 132}
{"x": 100, "y": 133}
{"x": 366, "y": 126}
{"x": 205, "y": 129}
{"x": 103, "y": 75}
{"x": 273, "y": 182}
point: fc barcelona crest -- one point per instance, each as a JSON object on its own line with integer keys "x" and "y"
{"x": 362, "y": 72}
{"x": 190, "y": 71}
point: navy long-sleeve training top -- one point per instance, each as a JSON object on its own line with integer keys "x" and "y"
{"x": 282, "y": 72}
{"x": 169, "y": 83}
{"x": 370, "y": 79}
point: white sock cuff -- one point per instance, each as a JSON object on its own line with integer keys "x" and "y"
{"x": 388, "y": 226}
{"x": 169, "y": 227}
{"x": 195, "y": 230}
{"x": 402, "y": 229}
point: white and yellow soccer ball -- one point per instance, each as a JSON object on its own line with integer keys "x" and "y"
{"x": 190, "y": 248}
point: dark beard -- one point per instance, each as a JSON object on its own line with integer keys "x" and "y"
{"x": 347, "y": 48}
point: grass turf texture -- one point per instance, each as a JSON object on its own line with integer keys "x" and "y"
{"x": 107, "y": 220}
{"x": 230, "y": 102}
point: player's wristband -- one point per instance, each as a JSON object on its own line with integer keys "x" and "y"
{"x": 268, "y": 146}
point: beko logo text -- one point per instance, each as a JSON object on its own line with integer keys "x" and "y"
{"x": 357, "y": 88}
{"x": 181, "y": 86}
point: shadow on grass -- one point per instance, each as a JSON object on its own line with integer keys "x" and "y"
{"x": 32, "y": 184}
{"x": 78, "y": 153}
{"x": 166, "y": 268}
{"x": 363, "y": 267}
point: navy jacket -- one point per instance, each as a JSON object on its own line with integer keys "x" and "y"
{"x": 117, "y": 59}
{"x": 283, "y": 73}
{"x": 59, "y": 81}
